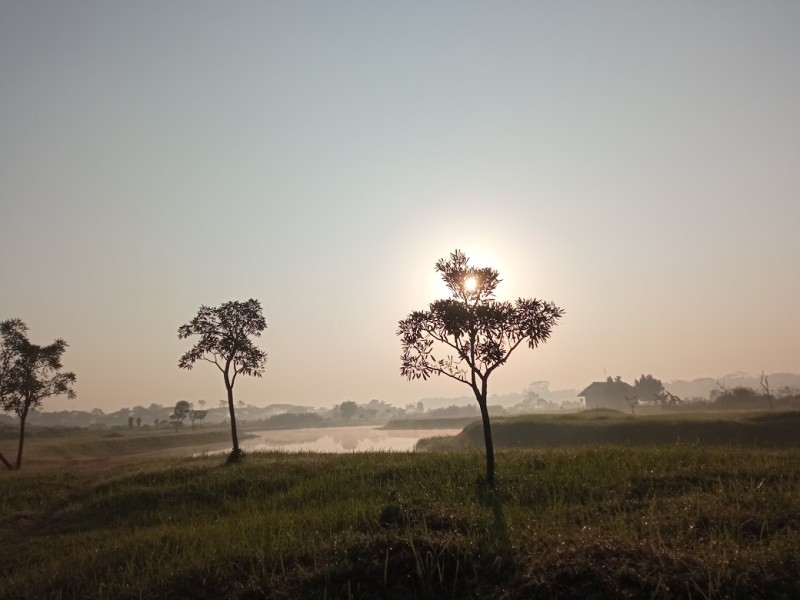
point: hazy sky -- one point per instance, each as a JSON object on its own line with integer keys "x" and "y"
{"x": 636, "y": 162}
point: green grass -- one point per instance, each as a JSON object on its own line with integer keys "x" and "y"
{"x": 575, "y": 522}
{"x": 776, "y": 429}
{"x": 98, "y": 444}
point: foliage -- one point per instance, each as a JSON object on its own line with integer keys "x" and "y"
{"x": 29, "y": 375}
{"x": 648, "y": 388}
{"x": 740, "y": 398}
{"x": 225, "y": 333}
{"x": 197, "y": 415}
{"x": 179, "y": 413}
{"x": 14, "y": 335}
{"x": 347, "y": 409}
{"x": 469, "y": 335}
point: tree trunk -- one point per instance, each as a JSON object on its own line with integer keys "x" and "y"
{"x": 234, "y": 438}
{"x": 487, "y": 438}
{"x": 5, "y": 462}
{"x": 22, "y": 418}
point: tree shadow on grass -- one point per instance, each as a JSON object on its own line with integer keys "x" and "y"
{"x": 497, "y": 539}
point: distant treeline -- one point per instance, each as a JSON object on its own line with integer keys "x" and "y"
{"x": 378, "y": 412}
{"x": 745, "y": 398}
{"x": 441, "y": 423}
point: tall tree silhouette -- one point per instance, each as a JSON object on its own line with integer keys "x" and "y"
{"x": 225, "y": 333}
{"x": 469, "y": 335}
{"x": 29, "y": 374}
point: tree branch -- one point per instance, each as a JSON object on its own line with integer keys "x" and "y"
{"x": 441, "y": 371}
{"x": 505, "y": 357}
{"x": 213, "y": 362}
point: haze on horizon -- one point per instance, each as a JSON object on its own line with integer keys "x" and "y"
{"x": 638, "y": 164}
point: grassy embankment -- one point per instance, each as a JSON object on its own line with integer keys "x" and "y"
{"x": 770, "y": 429}
{"x": 574, "y": 522}
{"x": 46, "y": 445}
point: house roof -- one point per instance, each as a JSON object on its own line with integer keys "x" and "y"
{"x": 604, "y": 387}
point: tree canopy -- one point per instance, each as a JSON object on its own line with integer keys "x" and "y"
{"x": 648, "y": 388}
{"x": 468, "y": 336}
{"x": 179, "y": 413}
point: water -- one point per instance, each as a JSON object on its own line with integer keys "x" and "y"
{"x": 340, "y": 439}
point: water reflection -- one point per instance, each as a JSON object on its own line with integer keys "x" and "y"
{"x": 341, "y": 439}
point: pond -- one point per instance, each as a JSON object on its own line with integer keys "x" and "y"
{"x": 338, "y": 439}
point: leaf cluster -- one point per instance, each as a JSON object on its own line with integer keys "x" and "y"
{"x": 470, "y": 334}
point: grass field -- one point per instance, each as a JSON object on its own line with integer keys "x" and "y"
{"x": 591, "y": 521}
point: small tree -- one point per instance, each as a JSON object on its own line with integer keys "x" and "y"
{"x": 648, "y": 389}
{"x": 469, "y": 335}
{"x": 225, "y": 342}
{"x": 30, "y": 374}
{"x": 348, "y": 409}
{"x": 179, "y": 413}
{"x": 130, "y": 422}
{"x": 196, "y": 415}
{"x": 765, "y": 386}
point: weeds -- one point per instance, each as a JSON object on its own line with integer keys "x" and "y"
{"x": 676, "y": 521}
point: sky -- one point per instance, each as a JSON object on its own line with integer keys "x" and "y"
{"x": 637, "y": 163}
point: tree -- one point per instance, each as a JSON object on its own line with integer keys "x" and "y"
{"x": 197, "y": 415}
{"x": 12, "y": 332}
{"x": 469, "y": 335}
{"x": 138, "y": 422}
{"x": 179, "y": 413}
{"x": 648, "y": 388}
{"x": 765, "y": 386}
{"x": 225, "y": 342}
{"x": 348, "y": 409}
{"x": 130, "y": 422}
{"x": 30, "y": 374}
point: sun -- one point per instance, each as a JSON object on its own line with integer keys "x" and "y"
{"x": 470, "y": 284}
